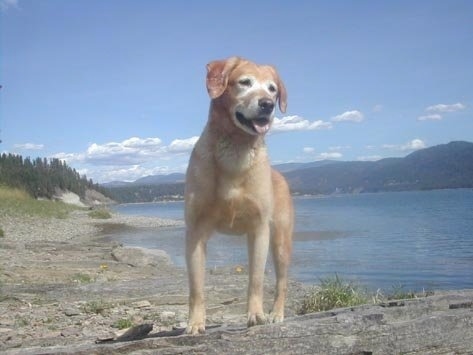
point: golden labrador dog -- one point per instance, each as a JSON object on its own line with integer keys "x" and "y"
{"x": 231, "y": 187}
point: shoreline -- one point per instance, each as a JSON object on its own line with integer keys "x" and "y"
{"x": 62, "y": 289}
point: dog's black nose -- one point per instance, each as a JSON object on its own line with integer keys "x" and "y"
{"x": 266, "y": 105}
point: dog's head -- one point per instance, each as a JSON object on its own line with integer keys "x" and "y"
{"x": 249, "y": 91}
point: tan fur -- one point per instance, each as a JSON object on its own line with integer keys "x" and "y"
{"x": 231, "y": 188}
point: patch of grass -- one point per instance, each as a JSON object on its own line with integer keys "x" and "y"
{"x": 123, "y": 323}
{"x": 333, "y": 292}
{"x": 97, "y": 307}
{"x": 100, "y": 214}
{"x": 82, "y": 278}
{"x": 2, "y": 233}
{"x": 22, "y": 321}
{"x": 18, "y": 202}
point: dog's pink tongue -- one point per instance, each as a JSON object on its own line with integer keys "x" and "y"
{"x": 261, "y": 129}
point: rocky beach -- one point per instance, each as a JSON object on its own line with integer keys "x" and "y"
{"x": 65, "y": 290}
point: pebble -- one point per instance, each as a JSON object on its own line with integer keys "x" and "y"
{"x": 141, "y": 304}
{"x": 71, "y": 312}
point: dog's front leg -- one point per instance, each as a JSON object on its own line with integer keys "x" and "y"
{"x": 258, "y": 244}
{"x": 196, "y": 246}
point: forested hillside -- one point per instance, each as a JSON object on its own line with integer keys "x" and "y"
{"x": 147, "y": 193}
{"x": 439, "y": 167}
{"x": 43, "y": 177}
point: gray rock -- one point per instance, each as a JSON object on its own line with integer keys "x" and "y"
{"x": 71, "y": 311}
{"x": 140, "y": 257}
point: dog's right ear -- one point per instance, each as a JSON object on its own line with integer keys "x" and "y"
{"x": 217, "y": 75}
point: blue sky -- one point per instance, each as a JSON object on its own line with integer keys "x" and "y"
{"x": 117, "y": 88}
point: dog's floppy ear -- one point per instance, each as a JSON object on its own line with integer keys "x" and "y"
{"x": 217, "y": 75}
{"x": 282, "y": 93}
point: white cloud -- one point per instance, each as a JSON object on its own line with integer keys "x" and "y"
{"x": 349, "y": 116}
{"x": 339, "y": 147}
{"x": 446, "y": 108}
{"x": 29, "y": 146}
{"x": 130, "y": 159}
{"x": 369, "y": 158}
{"x": 308, "y": 150}
{"x": 7, "y": 4}
{"x": 430, "y": 117}
{"x": 329, "y": 155}
{"x": 321, "y": 156}
{"x": 183, "y": 145}
{"x": 128, "y": 152}
{"x": 414, "y": 144}
{"x": 297, "y": 123}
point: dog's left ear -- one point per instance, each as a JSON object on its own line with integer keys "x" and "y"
{"x": 282, "y": 96}
{"x": 217, "y": 75}
{"x": 282, "y": 93}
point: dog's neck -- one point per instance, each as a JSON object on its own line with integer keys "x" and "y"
{"x": 235, "y": 150}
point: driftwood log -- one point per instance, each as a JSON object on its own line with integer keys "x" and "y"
{"x": 439, "y": 324}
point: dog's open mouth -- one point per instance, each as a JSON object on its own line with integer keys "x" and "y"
{"x": 258, "y": 125}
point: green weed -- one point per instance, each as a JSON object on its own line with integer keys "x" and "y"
{"x": 333, "y": 292}
{"x": 82, "y": 278}
{"x": 97, "y": 307}
{"x": 123, "y": 323}
{"x": 100, "y": 214}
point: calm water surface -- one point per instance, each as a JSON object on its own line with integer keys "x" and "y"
{"x": 420, "y": 240}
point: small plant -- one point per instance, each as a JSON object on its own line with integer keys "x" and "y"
{"x": 123, "y": 323}
{"x": 100, "y": 214}
{"x": 22, "y": 322}
{"x": 82, "y": 278}
{"x": 333, "y": 292}
{"x": 97, "y": 307}
{"x": 398, "y": 293}
{"x": 2, "y": 233}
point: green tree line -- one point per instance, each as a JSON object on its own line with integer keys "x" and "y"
{"x": 147, "y": 193}
{"x": 42, "y": 177}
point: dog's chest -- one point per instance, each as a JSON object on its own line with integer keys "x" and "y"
{"x": 236, "y": 212}
{"x": 241, "y": 206}
{"x": 234, "y": 159}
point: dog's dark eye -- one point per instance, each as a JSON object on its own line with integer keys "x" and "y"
{"x": 245, "y": 82}
{"x": 272, "y": 88}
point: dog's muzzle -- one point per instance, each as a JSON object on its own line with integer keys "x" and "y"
{"x": 259, "y": 124}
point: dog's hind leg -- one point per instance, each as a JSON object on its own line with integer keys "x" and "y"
{"x": 281, "y": 245}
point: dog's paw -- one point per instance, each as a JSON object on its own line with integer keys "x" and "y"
{"x": 195, "y": 329}
{"x": 256, "y": 319}
{"x": 276, "y": 317}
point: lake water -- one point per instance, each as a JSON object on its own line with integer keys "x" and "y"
{"x": 418, "y": 240}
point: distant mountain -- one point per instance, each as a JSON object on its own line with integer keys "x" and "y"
{"x": 161, "y": 179}
{"x": 113, "y": 184}
{"x": 287, "y": 167}
{"x": 173, "y": 178}
{"x": 443, "y": 166}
